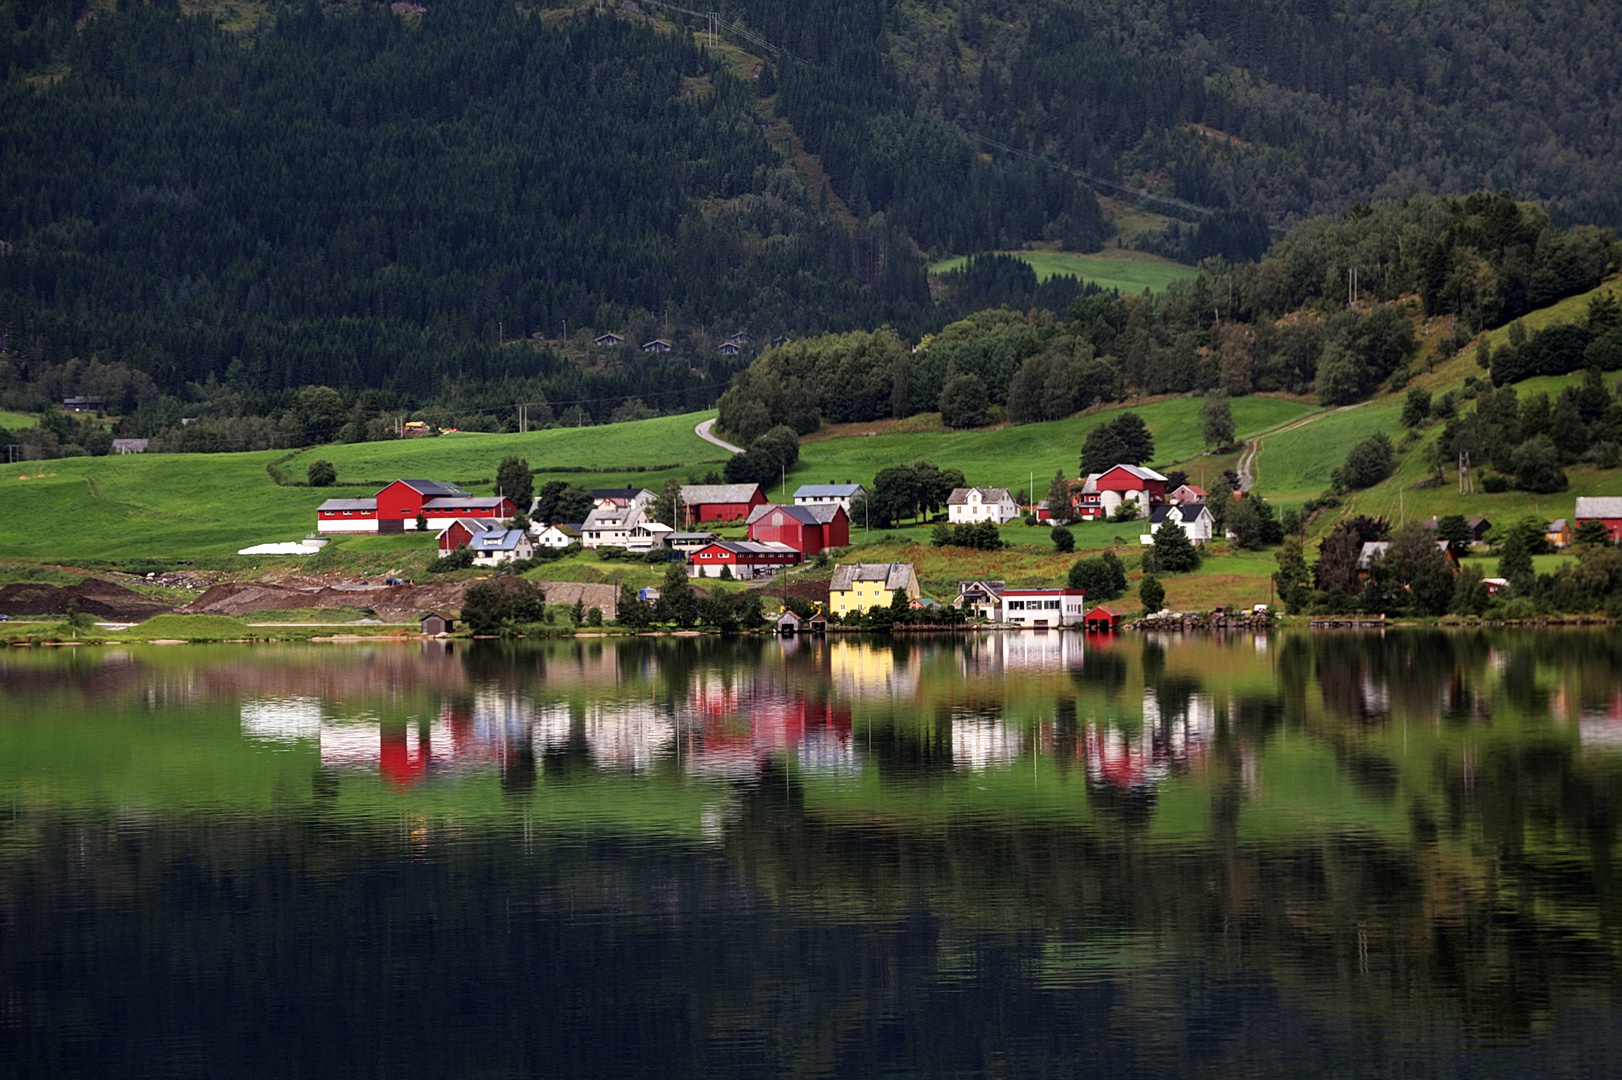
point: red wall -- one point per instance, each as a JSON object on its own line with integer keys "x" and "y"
{"x": 398, "y": 502}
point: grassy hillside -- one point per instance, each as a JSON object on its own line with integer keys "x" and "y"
{"x": 193, "y": 505}
{"x": 1116, "y": 268}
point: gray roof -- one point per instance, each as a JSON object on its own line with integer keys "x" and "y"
{"x": 960, "y": 496}
{"x": 433, "y": 488}
{"x": 504, "y": 540}
{"x": 1136, "y": 470}
{"x": 755, "y": 547}
{"x": 827, "y": 491}
{"x": 718, "y": 493}
{"x": 1186, "y": 511}
{"x": 454, "y": 502}
{"x": 626, "y": 493}
{"x": 1606, "y": 506}
{"x": 1376, "y": 549}
{"x": 810, "y": 515}
{"x": 349, "y": 504}
{"x": 894, "y": 575}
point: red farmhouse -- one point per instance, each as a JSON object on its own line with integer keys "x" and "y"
{"x": 745, "y": 558}
{"x": 397, "y": 507}
{"x": 806, "y": 529}
{"x": 719, "y": 502}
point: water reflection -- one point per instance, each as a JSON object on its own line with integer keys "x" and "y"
{"x": 831, "y": 856}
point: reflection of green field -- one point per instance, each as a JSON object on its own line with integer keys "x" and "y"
{"x": 1128, "y": 271}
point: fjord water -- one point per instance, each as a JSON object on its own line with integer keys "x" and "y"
{"x": 1011, "y": 855}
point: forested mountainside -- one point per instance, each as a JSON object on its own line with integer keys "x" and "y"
{"x": 385, "y": 197}
{"x": 1256, "y": 112}
{"x": 1332, "y": 309}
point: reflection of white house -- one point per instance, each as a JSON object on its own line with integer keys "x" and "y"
{"x": 1193, "y": 518}
{"x": 282, "y": 720}
{"x": 969, "y": 505}
{"x": 620, "y": 734}
{"x": 1037, "y": 652}
{"x": 981, "y": 741}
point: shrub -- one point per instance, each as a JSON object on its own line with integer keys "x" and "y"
{"x": 1369, "y": 462}
{"x": 1063, "y": 539}
{"x": 322, "y": 473}
{"x": 460, "y": 559}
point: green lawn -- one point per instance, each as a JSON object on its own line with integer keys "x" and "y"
{"x": 1128, "y": 271}
{"x": 1295, "y": 465}
{"x": 16, "y": 420}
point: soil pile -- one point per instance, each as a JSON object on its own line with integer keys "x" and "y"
{"x": 102, "y": 599}
{"x": 809, "y": 591}
{"x": 392, "y": 603}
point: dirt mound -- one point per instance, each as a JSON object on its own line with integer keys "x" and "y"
{"x": 394, "y": 603}
{"x": 102, "y": 599}
{"x": 809, "y": 591}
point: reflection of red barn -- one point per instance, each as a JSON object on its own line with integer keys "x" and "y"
{"x": 750, "y": 727}
{"x": 806, "y": 529}
{"x": 404, "y": 753}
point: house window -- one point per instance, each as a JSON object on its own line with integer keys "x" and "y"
{"x": 1050, "y": 605}
{"x": 1016, "y": 605}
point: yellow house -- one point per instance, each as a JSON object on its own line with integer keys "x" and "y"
{"x": 866, "y": 585}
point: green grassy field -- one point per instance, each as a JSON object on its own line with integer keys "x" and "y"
{"x": 16, "y": 420}
{"x": 1013, "y": 457}
{"x": 190, "y": 506}
{"x": 1115, "y": 268}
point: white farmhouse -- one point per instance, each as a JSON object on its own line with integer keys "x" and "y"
{"x": 965, "y": 506}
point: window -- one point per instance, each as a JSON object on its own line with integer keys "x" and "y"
{"x": 1050, "y": 605}
{"x": 1016, "y": 605}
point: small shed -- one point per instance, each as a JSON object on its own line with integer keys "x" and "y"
{"x": 433, "y": 623}
{"x": 817, "y": 624}
{"x": 788, "y": 623}
{"x": 1101, "y": 620}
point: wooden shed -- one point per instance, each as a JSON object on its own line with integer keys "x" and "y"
{"x": 434, "y": 623}
{"x": 1101, "y": 620}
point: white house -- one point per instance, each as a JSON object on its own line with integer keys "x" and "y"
{"x": 501, "y": 545}
{"x": 968, "y": 505}
{"x": 616, "y": 525}
{"x": 1036, "y": 608}
{"x": 827, "y": 494}
{"x": 558, "y": 536}
{"x": 1193, "y": 518}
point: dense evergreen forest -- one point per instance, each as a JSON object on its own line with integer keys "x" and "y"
{"x": 1247, "y": 113}
{"x": 441, "y": 205}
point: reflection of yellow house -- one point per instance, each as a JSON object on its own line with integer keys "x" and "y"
{"x": 866, "y": 585}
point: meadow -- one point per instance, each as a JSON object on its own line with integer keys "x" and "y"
{"x": 191, "y": 506}
{"x": 1113, "y": 268}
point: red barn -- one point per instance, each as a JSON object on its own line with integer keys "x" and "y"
{"x": 719, "y": 502}
{"x": 746, "y": 558}
{"x": 806, "y": 529}
{"x": 459, "y": 532}
{"x": 1605, "y": 510}
{"x": 399, "y": 505}
{"x": 1103, "y": 493}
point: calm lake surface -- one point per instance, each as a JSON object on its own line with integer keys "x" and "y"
{"x": 1012, "y": 855}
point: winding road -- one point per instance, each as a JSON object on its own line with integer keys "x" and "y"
{"x": 703, "y": 432}
{"x": 1246, "y": 466}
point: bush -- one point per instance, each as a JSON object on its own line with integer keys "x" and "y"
{"x": 501, "y": 606}
{"x": 1494, "y": 484}
{"x": 1369, "y": 462}
{"x": 322, "y": 473}
{"x": 460, "y": 559}
{"x": 1063, "y": 539}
